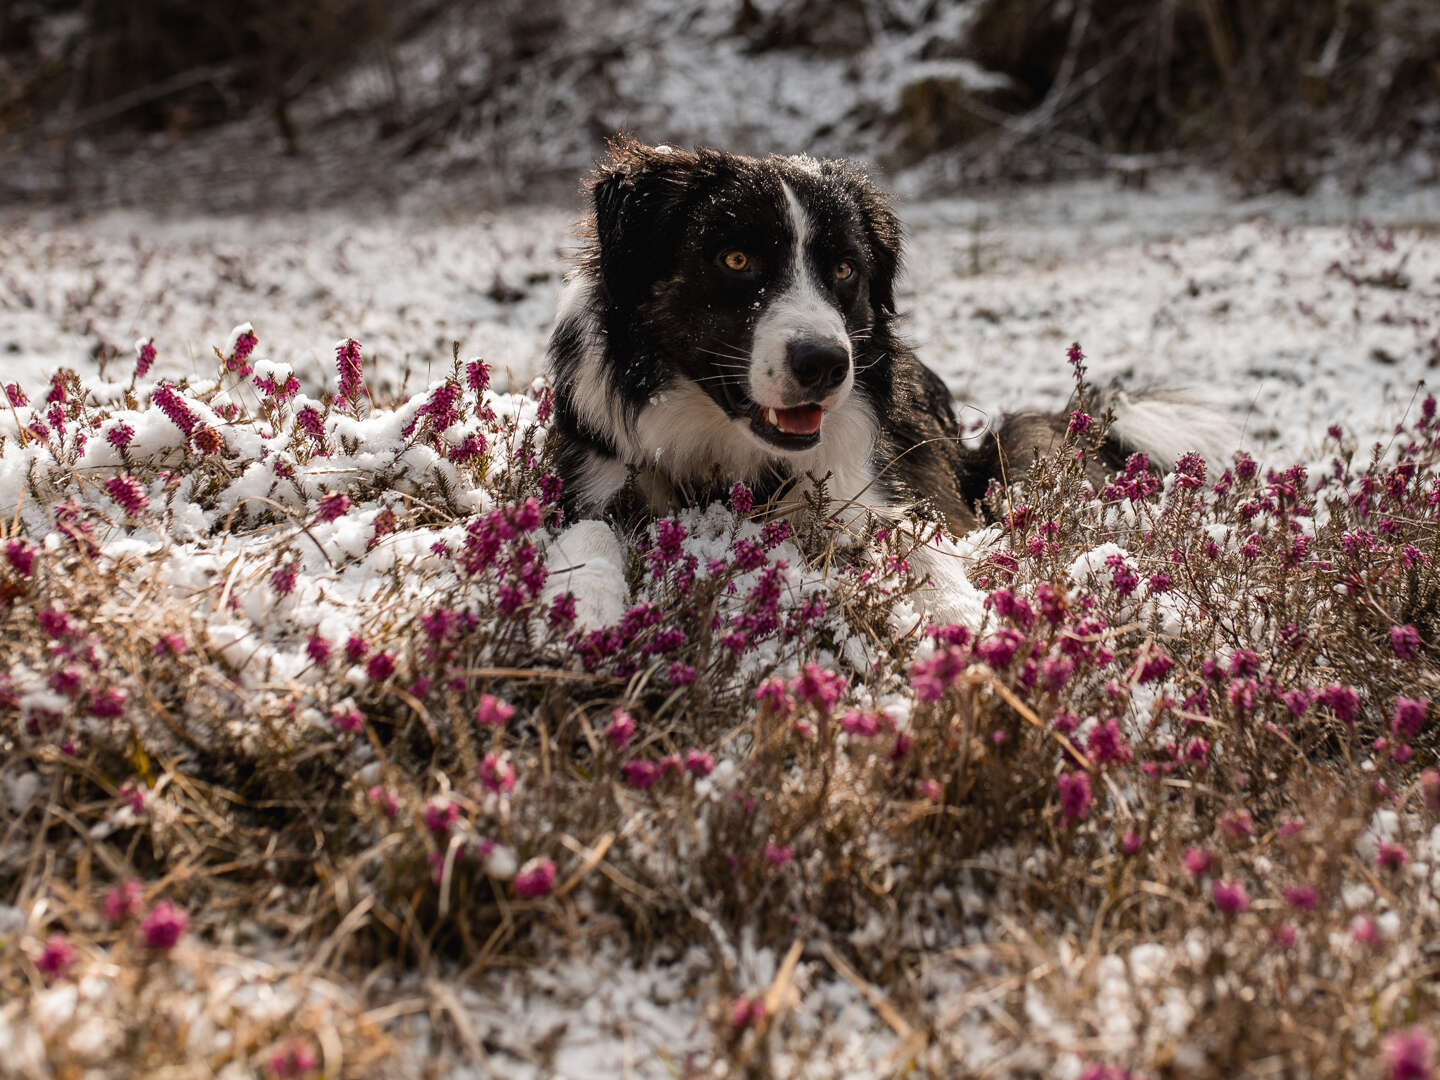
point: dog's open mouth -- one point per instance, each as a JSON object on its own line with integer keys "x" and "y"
{"x": 797, "y": 428}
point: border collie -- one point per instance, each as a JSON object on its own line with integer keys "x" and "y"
{"x": 733, "y": 319}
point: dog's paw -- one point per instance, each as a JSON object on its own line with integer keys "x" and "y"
{"x": 588, "y": 561}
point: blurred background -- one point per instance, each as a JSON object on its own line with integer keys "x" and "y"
{"x": 270, "y": 103}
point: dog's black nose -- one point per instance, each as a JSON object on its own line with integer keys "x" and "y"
{"x": 818, "y": 367}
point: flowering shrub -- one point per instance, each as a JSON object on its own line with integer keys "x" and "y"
{"x": 305, "y": 657}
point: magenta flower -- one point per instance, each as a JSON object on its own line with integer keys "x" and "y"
{"x": 535, "y": 879}
{"x": 380, "y": 667}
{"x": 621, "y": 729}
{"x": 1409, "y": 716}
{"x": 1408, "y": 1054}
{"x": 123, "y": 902}
{"x": 1131, "y": 842}
{"x": 164, "y": 926}
{"x": 1302, "y": 897}
{"x": 1283, "y": 935}
{"x": 441, "y": 814}
{"x": 108, "y": 703}
{"x": 16, "y": 395}
{"x": 174, "y": 407}
{"x": 1364, "y": 930}
{"x": 1238, "y": 823}
{"x": 1196, "y": 860}
{"x": 1390, "y": 856}
{"x": 352, "y": 379}
{"x": 332, "y": 505}
{"x": 347, "y": 719}
{"x": 283, "y": 579}
{"x": 21, "y": 557}
{"x": 492, "y": 712}
{"x": 383, "y": 800}
{"x": 120, "y": 436}
{"x": 317, "y": 648}
{"x": 496, "y": 772}
{"x": 1405, "y": 640}
{"x": 295, "y": 1058}
{"x": 819, "y": 686}
{"x": 1342, "y": 700}
{"x": 699, "y": 763}
{"x": 1230, "y": 896}
{"x": 56, "y": 957}
{"x": 477, "y": 375}
{"x": 778, "y": 854}
{"x": 1075, "y": 795}
{"x": 641, "y": 774}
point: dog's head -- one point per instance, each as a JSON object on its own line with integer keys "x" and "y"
{"x": 769, "y": 282}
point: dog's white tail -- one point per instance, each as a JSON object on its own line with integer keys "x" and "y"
{"x": 1165, "y": 425}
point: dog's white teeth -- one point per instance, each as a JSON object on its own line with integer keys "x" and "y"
{"x": 772, "y": 417}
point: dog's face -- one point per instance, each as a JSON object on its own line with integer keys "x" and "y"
{"x": 762, "y": 280}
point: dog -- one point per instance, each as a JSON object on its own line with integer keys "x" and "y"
{"x": 733, "y": 319}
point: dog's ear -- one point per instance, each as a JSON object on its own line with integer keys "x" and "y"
{"x": 639, "y": 195}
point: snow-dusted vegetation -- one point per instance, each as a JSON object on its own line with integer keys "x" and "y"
{"x": 308, "y": 768}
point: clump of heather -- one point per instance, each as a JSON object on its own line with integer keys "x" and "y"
{"x": 1175, "y": 779}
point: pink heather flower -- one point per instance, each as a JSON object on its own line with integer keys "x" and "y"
{"x": 865, "y": 725}
{"x": 380, "y": 667}
{"x": 1155, "y": 667}
{"x": 1106, "y": 745}
{"x": 332, "y": 505}
{"x": 352, "y": 379}
{"x": 477, "y": 375}
{"x": 1075, "y": 795}
{"x": 1292, "y": 826}
{"x": 133, "y": 795}
{"x": 1238, "y": 823}
{"x": 309, "y": 421}
{"x": 356, "y": 648}
{"x": 174, "y": 407}
{"x": 317, "y": 648}
{"x": 496, "y": 772}
{"x": 1409, "y": 716}
{"x": 778, "y": 854}
{"x": 1079, "y": 423}
{"x": 164, "y": 926}
{"x": 109, "y": 703}
{"x": 1430, "y": 788}
{"x": 1076, "y": 359}
{"x": 1131, "y": 842}
{"x": 1390, "y": 856}
{"x": 773, "y": 695}
{"x": 123, "y": 902}
{"x": 1342, "y": 700}
{"x": 1302, "y": 897}
{"x": 746, "y": 1012}
{"x": 1197, "y": 860}
{"x": 699, "y": 763}
{"x": 741, "y": 501}
{"x": 1283, "y": 935}
{"x": 441, "y": 814}
{"x": 347, "y": 719}
{"x": 295, "y": 1058}
{"x": 283, "y": 579}
{"x": 56, "y": 957}
{"x": 492, "y": 712}
{"x": 535, "y": 879}
{"x": 1364, "y": 930}
{"x": 1230, "y": 896}
{"x": 621, "y": 729}
{"x": 1408, "y": 1054}
{"x": 928, "y": 790}
{"x": 383, "y": 800}
{"x": 21, "y": 557}
{"x": 641, "y": 774}
{"x": 1405, "y": 640}
{"x": 819, "y": 686}
{"x": 144, "y": 357}
{"x": 16, "y": 395}
{"x": 120, "y": 436}
{"x": 245, "y": 343}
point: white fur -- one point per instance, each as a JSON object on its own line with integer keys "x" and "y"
{"x": 588, "y": 561}
{"x": 801, "y": 313}
{"x": 1166, "y": 426}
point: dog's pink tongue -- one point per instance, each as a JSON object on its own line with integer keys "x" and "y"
{"x": 801, "y": 420}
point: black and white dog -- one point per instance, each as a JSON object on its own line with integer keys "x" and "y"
{"x": 733, "y": 320}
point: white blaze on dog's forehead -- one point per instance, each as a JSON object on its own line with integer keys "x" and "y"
{"x": 800, "y": 311}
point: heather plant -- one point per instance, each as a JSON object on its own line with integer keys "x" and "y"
{"x": 295, "y": 669}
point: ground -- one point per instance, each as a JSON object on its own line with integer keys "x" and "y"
{"x": 1290, "y": 315}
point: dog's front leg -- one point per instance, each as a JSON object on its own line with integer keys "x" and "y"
{"x": 587, "y": 560}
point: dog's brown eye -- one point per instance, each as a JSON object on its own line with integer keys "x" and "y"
{"x": 844, "y": 271}
{"x": 736, "y": 260}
